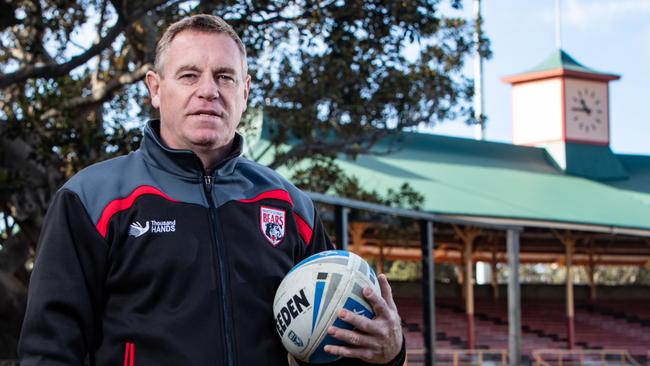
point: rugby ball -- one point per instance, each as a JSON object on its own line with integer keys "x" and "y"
{"x": 309, "y": 298}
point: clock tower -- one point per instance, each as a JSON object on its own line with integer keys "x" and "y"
{"x": 563, "y": 106}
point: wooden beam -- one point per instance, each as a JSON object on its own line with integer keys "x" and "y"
{"x": 379, "y": 263}
{"x": 357, "y": 229}
{"x": 591, "y": 269}
{"x": 468, "y": 235}
{"x": 494, "y": 277}
{"x": 569, "y": 240}
{"x": 494, "y": 283}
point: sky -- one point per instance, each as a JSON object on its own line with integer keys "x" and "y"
{"x": 612, "y": 36}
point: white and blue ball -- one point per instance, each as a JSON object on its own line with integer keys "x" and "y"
{"x": 310, "y": 296}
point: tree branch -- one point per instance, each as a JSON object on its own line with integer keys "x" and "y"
{"x": 53, "y": 70}
{"x": 101, "y": 93}
{"x": 341, "y": 145}
{"x": 278, "y": 17}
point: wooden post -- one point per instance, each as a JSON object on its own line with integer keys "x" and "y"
{"x": 514, "y": 299}
{"x": 591, "y": 269}
{"x": 494, "y": 275}
{"x": 468, "y": 235}
{"x": 356, "y": 230}
{"x": 569, "y": 240}
{"x": 428, "y": 292}
{"x": 380, "y": 261}
{"x": 459, "y": 270}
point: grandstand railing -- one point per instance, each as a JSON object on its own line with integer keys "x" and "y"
{"x": 467, "y": 357}
{"x": 604, "y": 357}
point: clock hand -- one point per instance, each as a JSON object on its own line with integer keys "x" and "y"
{"x": 583, "y": 109}
{"x": 584, "y": 106}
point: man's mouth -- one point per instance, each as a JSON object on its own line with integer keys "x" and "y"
{"x": 206, "y": 113}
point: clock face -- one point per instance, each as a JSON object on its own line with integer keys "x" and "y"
{"x": 587, "y": 110}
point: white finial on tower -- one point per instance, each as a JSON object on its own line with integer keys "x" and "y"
{"x": 558, "y": 25}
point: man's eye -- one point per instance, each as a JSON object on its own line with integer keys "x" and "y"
{"x": 188, "y": 76}
{"x": 225, "y": 78}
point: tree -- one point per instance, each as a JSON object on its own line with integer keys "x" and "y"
{"x": 344, "y": 82}
{"x": 70, "y": 90}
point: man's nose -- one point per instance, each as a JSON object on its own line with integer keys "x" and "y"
{"x": 208, "y": 88}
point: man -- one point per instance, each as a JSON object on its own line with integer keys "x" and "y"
{"x": 160, "y": 257}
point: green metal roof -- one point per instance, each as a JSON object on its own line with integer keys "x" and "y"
{"x": 559, "y": 59}
{"x": 593, "y": 162}
{"x": 477, "y": 178}
{"x": 638, "y": 169}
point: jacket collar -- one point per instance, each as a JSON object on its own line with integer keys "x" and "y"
{"x": 183, "y": 162}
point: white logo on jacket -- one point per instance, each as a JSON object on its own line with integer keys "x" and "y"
{"x": 272, "y": 224}
{"x": 136, "y": 229}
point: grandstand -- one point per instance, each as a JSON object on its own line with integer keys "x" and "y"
{"x": 607, "y": 325}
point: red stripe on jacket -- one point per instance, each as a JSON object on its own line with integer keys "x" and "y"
{"x": 128, "y": 354}
{"x": 304, "y": 230}
{"x": 122, "y": 204}
{"x": 276, "y": 194}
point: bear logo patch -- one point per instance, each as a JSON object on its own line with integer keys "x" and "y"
{"x": 272, "y": 224}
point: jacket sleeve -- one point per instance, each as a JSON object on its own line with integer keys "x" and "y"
{"x": 66, "y": 287}
{"x": 320, "y": 241}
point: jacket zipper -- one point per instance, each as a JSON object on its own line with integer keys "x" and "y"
{"x": 222, "y": 283}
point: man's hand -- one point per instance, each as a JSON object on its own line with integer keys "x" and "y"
{"x": 374, "y": 341}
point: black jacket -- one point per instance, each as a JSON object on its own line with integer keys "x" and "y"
{"x": 145, "y": 260}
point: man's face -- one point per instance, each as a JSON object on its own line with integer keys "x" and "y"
{"x": 201, "y": 92}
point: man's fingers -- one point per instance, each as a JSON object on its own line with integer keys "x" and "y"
{"x": 358, "y": 321}
{"x": 376, "y": 340}
{"x": 351, "y": 337}
{"x": 362, "y": 353}
{"x": 386, "y": 291}
{"x": 378, "y": 304}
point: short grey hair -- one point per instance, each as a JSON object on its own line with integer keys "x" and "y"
{"x": 205, "y": 23}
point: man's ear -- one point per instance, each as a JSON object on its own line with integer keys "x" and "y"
{"x": 247, "y": 88}
{"x": 152, "y": 79}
